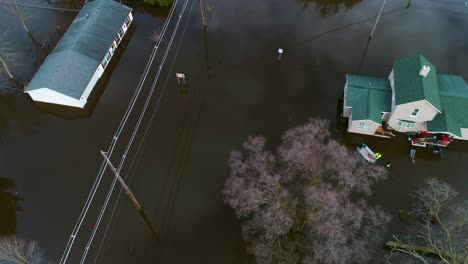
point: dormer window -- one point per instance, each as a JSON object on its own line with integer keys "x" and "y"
{"x": 415, "y": 113}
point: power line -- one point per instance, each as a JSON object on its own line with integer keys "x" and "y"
{"x": 141, "y": 145}
{"x": 114, "y": 141}
{"x": 135, "y": 130}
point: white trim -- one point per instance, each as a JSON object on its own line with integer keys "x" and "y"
{"x": 47, "y": 95}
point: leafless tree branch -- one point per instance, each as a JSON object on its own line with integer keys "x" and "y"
{"x": 19, "y": 251}
{"x": 295, "y": 205}
{"x": 444, "y": 224}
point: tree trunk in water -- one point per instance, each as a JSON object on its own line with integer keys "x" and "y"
{"x": 421, "y": 249}
{"x": 5, "y": 66}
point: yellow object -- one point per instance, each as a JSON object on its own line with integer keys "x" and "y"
{"x": 378, "y": 155}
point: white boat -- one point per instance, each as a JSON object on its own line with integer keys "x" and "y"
{"x": 366, "y": 153}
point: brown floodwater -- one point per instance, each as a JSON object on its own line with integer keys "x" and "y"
{"x": 235, "y": 87}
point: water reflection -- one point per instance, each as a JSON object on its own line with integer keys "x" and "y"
{"x": 328, "y": 7}
{"x": 8, "y": 206}
{"x": 71, "y": 4}
{"x": 147, "y": 9}
{"x": 17, "y": 117}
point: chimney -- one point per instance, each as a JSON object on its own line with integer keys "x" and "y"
{"x": 424, "y": 71}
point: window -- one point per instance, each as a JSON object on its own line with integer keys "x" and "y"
{"x": 364, "y": 126}
{"x": 127, "y": 21}
{"x": 415, "y": 113}
{"x": 403, "y": 124}
{"x": 106, "y": 60}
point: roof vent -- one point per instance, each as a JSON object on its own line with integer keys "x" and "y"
{"x": 87, "y": 15}
{"x": 424, "y": 70}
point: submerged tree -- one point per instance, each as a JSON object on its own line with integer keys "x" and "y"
{"x": 327, "y": 7}
{"x": 13, "y": 7}
{"x": 305, "y": 203}
{"x": 159, "y": 2}
{"x": 9, "y": 58}
{"x": 441, "y": 235}
{"x": 18, "y": 251}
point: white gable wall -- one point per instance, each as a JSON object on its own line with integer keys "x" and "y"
{"x": 346, "y": 110}
{"x": 391, "y": 79}
{"x": 50, "y": 96}
{"x": 353, "y": 127}
{"x": 403, "y": 112}
{"x": 385, "y": 116}
{"x": 464, "y": 133}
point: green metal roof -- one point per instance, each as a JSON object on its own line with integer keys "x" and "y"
{"x": 444, "y": 123}
{"x": 72, "y": 63}
{"x": 454, "y": 99}
{"x": 410, "y": 86}
{"x": 368, "y": 96}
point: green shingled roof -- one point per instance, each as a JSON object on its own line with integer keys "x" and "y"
{"x": 454, "y": 99}
{"x": 368, "y": 96}
{"x": 410, "y": 86}
{"x": 71, "y": 65}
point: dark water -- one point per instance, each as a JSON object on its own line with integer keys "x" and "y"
{"x": 235, "y": 87}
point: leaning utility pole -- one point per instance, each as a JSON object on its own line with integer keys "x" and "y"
{"x": 202, "y": 14}
{"x": 128, "y": 191}
{"x": 378, "y": 17}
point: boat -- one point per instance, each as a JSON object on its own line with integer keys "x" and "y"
{"x": 366, "y": 153}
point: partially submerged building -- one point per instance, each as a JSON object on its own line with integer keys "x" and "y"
{"x": 414, "y": 99}
{"x": 70, "y": 72}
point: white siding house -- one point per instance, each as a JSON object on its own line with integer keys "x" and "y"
{"x": 70, "y": 72}
{"x": 413, "y": 99}
{"x": 412, "y": 117}
{"x": 366, "y": 103}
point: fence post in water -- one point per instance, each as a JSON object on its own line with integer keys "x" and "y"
{"x": 280, "y": 51}
{"x": 179, "y": 77}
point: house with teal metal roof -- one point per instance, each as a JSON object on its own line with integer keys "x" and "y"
{"x": 70, "y": 72}
{"x": 413, "y": 99}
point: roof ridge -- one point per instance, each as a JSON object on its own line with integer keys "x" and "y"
{"x": 98, "y": 5}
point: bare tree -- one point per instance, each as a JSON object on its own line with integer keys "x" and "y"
{"x": 328, "y": 7}
{"x": 442, "y": 231}
{"x": 18, "y": 251}
{"x": 295, "y": 205}
{"x": 155, "y": 35}
{"x": 13, "y": 7}
{"x": 9, "y": 58}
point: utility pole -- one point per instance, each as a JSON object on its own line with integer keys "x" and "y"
{"x": 202, "y": 14}
{"x": 378, "y": 17}
{"x": 128, "y": 191}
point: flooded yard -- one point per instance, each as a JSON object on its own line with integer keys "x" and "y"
{"x": 236, "y": 86}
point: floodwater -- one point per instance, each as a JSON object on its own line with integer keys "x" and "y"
{"x": 235, "y": 87}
